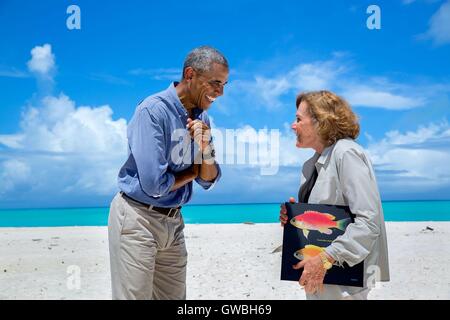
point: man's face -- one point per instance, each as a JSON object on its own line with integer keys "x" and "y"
{"x": 208, "y": 86}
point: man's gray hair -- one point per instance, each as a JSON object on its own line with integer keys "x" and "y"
{"x": 202, "y": 58}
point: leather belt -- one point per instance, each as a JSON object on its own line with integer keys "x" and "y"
{"x": 170, "y": 212}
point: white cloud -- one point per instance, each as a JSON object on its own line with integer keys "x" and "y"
{"x": 304, "y": 77}
{"x": 75, "y": 148}
{"x": 12, "y": 73}
{"x": 405, "y": 163}
{"x": 334, "y": 74}
{"x": 79, "y": 149}
{"x": 42, "y": 60}
{"x": 173, "y": 74}
{"x": 13, "y": 173}
{"x": 439, "y": 30}
{"x": 366, "y": 96}
{"x": 269, "y": 90}
{"x": 415, "y": 160}
{"x": 315, "y": 76}
{"x": 267, "y": 149}
{"x": 432, "y": 132}
{"x": 11, "y": 140}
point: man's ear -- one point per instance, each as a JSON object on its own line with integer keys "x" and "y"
{"x": 188, "y": 73}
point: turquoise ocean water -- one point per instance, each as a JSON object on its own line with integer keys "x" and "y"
{"x": 227, "y": 213}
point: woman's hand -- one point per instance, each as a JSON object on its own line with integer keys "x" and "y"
{"x": 313, "y": 274}
{"x": 283, "y": 212}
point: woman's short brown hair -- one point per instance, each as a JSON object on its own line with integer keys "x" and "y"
{"x": 333, "y": 115}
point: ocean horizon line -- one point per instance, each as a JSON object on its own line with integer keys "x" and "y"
{"x": 406, "y": 210}
{"x": 201, "y": 204}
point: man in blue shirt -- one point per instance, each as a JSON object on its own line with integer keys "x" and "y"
{"x": 169, "y": 146}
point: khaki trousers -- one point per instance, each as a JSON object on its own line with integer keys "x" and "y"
{"x": 147, "y": 252}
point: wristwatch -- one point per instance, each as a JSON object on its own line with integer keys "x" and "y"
{"x": 327, "y": 265}
{"x": 211, "y": 154}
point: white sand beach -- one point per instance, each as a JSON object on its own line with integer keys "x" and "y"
{"x": 226, "y": 261}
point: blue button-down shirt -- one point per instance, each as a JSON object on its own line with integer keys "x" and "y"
{"x": 157, "y": 138}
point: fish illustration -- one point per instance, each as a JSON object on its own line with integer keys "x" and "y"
{"x": 322, "y": 222}
{"x": 308, "y": 251}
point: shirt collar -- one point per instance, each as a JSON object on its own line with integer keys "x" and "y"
{"x": 324, "y": 157}
{"x": 172, "y": 94}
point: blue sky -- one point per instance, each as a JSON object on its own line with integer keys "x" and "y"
{"x": 64, "y": 107}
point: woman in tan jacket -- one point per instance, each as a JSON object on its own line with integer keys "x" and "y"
{"x": 339, "y": 173}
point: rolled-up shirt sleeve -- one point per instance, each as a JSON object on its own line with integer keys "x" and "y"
{"x": 361, "y": 192}
{"x": 147, "y": 143}
{"x": 208, "y": 185}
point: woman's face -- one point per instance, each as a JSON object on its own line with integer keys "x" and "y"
{"x": 305, "y": 129}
